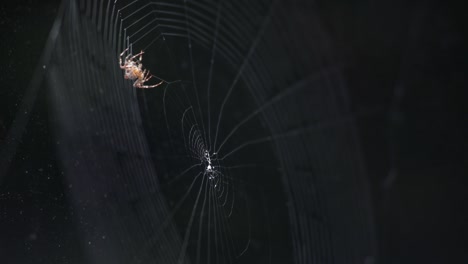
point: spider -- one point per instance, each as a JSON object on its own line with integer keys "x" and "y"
{"x": 133, "y": 70}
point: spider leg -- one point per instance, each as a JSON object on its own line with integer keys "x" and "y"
{"x": 126, "y": 66}
{"x": 139, "y": 54}
{"x": 123, "y": 52}
{"x": 120, "y": 58}
{"x": 149, "y": 86}
{"x": 146, "y": 75}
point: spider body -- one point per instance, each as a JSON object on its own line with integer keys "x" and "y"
{"x": 134, "y": 70}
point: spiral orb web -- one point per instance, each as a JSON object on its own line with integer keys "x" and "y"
{"x": 246, "y": 154}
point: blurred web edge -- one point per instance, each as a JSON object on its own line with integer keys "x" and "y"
{"x": 102, "y": 147}
{"x": 15, "y": 132}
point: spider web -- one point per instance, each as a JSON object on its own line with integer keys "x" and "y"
{"x": 246, "y": 154}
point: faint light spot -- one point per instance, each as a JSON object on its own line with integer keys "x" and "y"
{"x": 32, "y": 236}
{"x": 369, "y": 260}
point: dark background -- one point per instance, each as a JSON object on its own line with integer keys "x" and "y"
{"x": 404, "y": 61}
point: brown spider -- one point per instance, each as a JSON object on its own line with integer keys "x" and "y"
{"x": 133, "y": 70}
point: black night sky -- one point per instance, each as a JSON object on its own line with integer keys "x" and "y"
{"x": 406, "y": 63}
